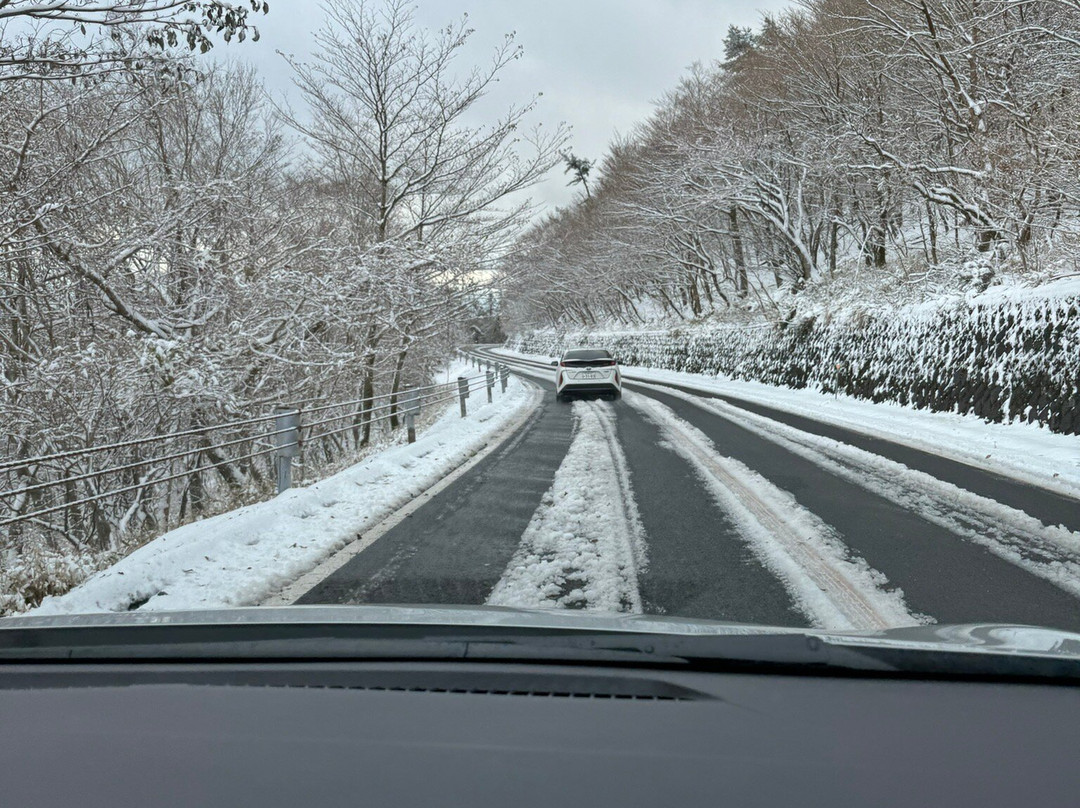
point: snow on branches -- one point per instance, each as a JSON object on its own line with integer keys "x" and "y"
{"x": 887, "y": 139}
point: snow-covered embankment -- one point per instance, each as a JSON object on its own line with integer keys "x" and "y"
{"x": 1007, "y": 355}
{"x": 240, "y": 557}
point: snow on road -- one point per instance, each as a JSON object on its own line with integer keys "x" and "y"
{"x": 1050, "y": 552}
{"x": 241, "y": 557}
{"x": 1024, "y": 452}
{"x": 833, "y": 589}
{"x": 585, "y": 546}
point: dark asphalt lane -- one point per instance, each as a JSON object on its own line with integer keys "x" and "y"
{"x": 942, "y": 575}
{"x": 1047, "y": 506}
{"x": 455, "y": 547}
{"x": 699, "y": 565}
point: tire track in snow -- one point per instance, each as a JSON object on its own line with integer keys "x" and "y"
{"x": 833, "y": 589}
{"x": 1049, "y": 552}
{"x": 584, "y": 547}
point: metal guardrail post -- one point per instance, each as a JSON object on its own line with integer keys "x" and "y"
{"x": 286, "y": 444}
{"x": 504, "y": 373}
{"x": 463, "y": 392}
{"x": 411, "y": 408}
{"x": 490, "y": 378}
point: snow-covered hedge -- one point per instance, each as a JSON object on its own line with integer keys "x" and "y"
{"x": 1004, "y": 357}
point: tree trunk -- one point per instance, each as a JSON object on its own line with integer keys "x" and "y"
{"x": 367, "y": 388}
{"x": 931, "y": 228}
{"x": 399, "y": 365}
{"x": 742, "y": 285}
{"x": 833, "y": 227}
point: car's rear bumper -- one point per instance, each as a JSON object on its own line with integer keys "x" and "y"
{"x": 591, "y": 388}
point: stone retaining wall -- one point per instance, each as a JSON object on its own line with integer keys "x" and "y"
{"x": 1004, "y": 360}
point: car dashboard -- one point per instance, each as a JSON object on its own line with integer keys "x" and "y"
{"x": 414, "y": 733}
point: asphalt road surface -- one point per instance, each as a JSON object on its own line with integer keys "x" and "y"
{"x": 858, "y": 542}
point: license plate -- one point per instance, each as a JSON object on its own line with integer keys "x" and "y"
{"x": 589, "y": 374}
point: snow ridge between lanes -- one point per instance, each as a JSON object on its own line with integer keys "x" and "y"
{"x": 585, "y": 545}
{"x": 1050, "y": 552}
{"x": 833, "y": 589}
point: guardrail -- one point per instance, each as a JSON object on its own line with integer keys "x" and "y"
{"x": 86, "y": 495}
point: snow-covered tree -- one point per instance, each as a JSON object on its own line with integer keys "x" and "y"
{"x": 59, "y": 39}
{"x": 892, "y": 137}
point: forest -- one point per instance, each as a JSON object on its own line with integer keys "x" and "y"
{"x": 181, "y": 251}
{"x": 843, "y": 152}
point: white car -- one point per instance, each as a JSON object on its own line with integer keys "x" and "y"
{"x": 587, "y": 372}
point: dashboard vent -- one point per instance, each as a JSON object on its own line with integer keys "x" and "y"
{"x": 535, "y": 693}
{"x": 540, "y": 684}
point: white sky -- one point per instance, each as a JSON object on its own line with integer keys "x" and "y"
{"x": 600, "y": 64}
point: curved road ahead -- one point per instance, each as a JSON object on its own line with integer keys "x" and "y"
{"x": 679, "y": 502}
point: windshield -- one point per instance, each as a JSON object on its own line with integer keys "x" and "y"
{"x": 763, "y": 314}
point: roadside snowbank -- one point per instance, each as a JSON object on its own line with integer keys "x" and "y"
{"x": 1023, "y": 452}
{"x": 240, "y": 557}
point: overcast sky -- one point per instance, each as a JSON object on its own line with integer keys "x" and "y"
{"x": 600, "y": 64}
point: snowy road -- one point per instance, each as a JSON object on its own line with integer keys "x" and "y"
{"x": 692, "y": 503}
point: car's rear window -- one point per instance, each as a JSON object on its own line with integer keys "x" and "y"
{"x": 587, "y": 354}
